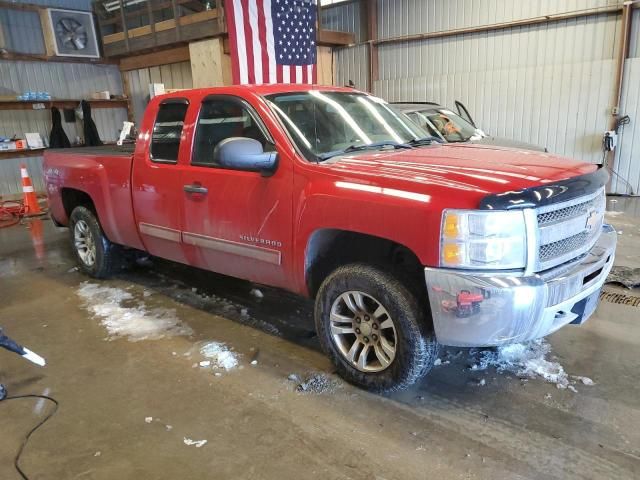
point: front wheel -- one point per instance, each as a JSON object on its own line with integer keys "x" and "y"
{"x": 374, "y": 329}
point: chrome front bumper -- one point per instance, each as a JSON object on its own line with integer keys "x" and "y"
{"x": 473, "y": 310}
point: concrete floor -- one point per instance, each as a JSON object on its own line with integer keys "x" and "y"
{"x": 256, "y": 423}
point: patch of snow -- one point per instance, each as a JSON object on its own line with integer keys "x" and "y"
{"x": 135, "y": 323}
{"x": 220, "y": 355}
{"x": 196, "y": 443}
{"x": 148, "y": 419}
{"x": 205, "y": 363}
{"x": 244, "y": 312}
{"x": 257, "y": 293}
{"x": 528, "y": 360}
{"x": 437, "y": 363}
{"x": 317, "y": 383}
{"x": 254, "y": 362}
{"x": 585, "y": 380}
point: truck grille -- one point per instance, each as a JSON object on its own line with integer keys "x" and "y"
{"x": 564, "y": 213}
{"x": 567, "y": 230}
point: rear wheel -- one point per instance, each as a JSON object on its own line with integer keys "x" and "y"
{"x": 96, "y": 255}
{"x": 374, "y": 329}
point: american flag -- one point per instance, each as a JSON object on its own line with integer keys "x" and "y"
{"x": 272, "y": 41}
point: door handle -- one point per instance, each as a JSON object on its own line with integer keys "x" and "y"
{"x": 195, "y": 189}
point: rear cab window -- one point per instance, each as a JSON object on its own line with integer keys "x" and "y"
{"x": 167, "y": 130}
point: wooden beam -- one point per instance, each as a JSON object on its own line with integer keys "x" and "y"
{"x": 143, "y": 44}
{"x": 30, "y": 57}
{"x": 161, "y": 26}
{"x": 61, "y": 103}
{"x": 161, "y": 57}
{"x": 47, "y": 33}
{"x": 335, "y": 38}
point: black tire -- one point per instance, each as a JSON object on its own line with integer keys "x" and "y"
{"x": 107, "y": 254}
{"x": 416, "y": 345}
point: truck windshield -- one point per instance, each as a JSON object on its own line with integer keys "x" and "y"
{"x": 327, "y": 124}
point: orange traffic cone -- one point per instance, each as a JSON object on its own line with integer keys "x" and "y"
{"x": 31, "y": 206}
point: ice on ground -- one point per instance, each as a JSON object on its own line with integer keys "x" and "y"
{"x": 136, "y": 323}
{"x": 584, "y": 380}
{"x": 220, "y": 355}
{"x": 257, "y": 293}
{"x": 195, "y": 443}
{"x": 317, "y": 383}
{"x": 148, "y": 419}
{"x": 528, "y": 360}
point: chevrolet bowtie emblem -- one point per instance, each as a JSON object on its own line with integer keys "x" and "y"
{"x": 592, "y": 220}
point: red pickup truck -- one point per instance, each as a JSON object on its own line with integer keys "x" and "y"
{"x": 329, "y": 193}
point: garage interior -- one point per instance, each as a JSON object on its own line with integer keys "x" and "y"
{"x": 225, "y": 378}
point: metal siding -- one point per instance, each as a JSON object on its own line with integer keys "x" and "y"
{"x": 546, "y": 84}
{"x": 69, "y": 4}
{"x": 405, "y": 17}
{"x": 634, "y": 45}
{"x": 61, "y": 80}
{"x": 352, "y": 63}
{"x": 627, "y": 164}
{"x": 175, "y": 75}
{"x": 22, "y": 31}
{"x": 343, "y": 17}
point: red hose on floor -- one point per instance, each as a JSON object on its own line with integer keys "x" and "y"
{"x": 11, "y": 212}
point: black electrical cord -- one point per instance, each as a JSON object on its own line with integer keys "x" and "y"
{"x": 16, "y": 460}
{"x": 606, "y": 146}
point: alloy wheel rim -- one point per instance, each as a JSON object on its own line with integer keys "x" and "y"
{"x": 85, "y": 245}
{"x": 363, "y": 331}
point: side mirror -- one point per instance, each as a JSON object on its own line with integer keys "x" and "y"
{"x": 242, "y": 153}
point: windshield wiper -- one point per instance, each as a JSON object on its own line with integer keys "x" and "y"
{"x": 364, "y": 146}
{"x": 418, "y": 142}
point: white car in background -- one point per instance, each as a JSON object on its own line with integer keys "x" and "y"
{"x": 451, "y": 127}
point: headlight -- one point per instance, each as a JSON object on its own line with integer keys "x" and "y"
{"x": 483, "y": 240}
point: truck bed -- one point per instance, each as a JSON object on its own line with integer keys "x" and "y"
{"x": 112, "y": 150}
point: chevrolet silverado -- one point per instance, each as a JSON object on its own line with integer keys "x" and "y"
{"x": 403, "y": 242}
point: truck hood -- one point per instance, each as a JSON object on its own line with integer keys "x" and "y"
{"x": 483, "y": 169}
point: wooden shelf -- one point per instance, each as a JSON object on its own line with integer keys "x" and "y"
{"x": 61, "y": 103}
{"x": 35, "y": 152}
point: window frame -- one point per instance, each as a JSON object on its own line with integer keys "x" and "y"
{"x": 169, "y": 101}
{"x": 250, "y": 110}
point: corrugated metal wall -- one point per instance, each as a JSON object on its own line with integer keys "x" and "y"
{"x": 22, "y": 31}
{"x": 548, "y": 84}
{"x": 344, "y": 17}
{"x": 176, "y": 75}
{"x": 70, "y": 4}
{"x": 61, "y": 80}
{"x": 405, "y": 17}
{"x": 627, "y": 164}
{"x": 352, "y": 63}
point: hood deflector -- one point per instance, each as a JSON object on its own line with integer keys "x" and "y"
{"x": 543, "y": 195}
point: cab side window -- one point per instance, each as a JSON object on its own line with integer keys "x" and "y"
{"x": 165, "y": 139}
{"x": 219, "y": 119}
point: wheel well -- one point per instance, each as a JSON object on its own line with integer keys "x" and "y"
{"x": 72, "y": 198}
{"x": 328, "y": 249}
